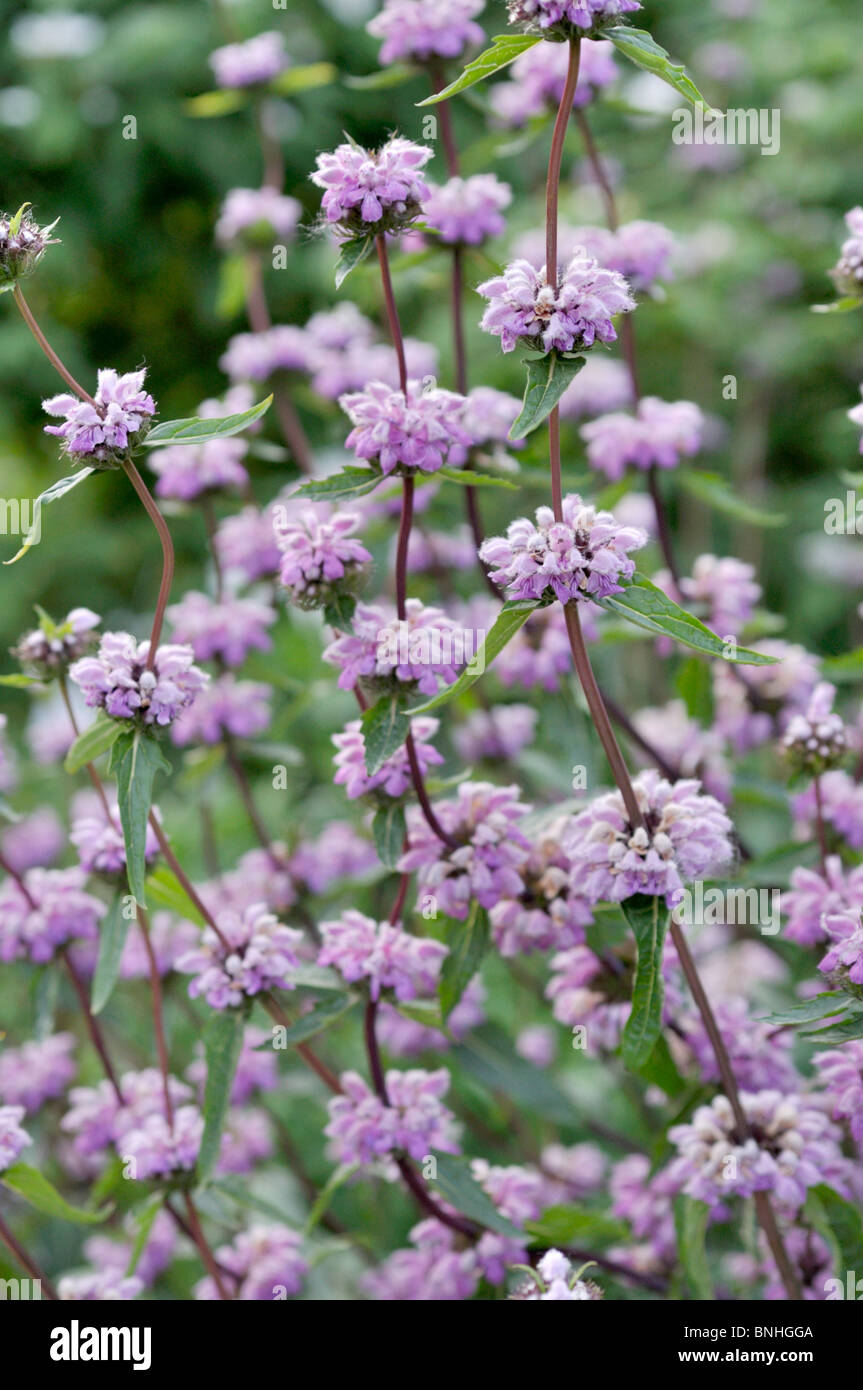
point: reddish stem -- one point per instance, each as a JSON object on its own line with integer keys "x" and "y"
{"x": 26, "y": 1261}
{"x": 27, "y": 314}
{"x": 167, "y": 555}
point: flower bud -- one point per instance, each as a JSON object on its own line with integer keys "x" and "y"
{"x": 22, "y": 245}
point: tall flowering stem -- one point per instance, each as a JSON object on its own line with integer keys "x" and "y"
{"x": 167, "y": 545}
{"x": 627, "y": 333}
{"x": 405, "y": 525}
{"x": 581, "y": 660}
{"x": 63, "y": 371}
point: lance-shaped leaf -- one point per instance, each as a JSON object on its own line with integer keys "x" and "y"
{"x": 459, "y": 1187}
{"x": 101, "y": 735}
{"x": 468, "y": 478}
{"x": 642, "y": 49}
{"x": 713, "y": 491}
{"x": 198, "y": 431}
{"x": 641, "y": 603}
{"x": 339, "y": 487}
{"x": 569, "y": 1225}
{"x": 836, "y": 1217}
{"x": 51, "y": 494}
{"x": 135, "y": 759}
{"x": 303, "y": 79}
{"x": 839, "y": 306}
{"x": 547, "y": 379}
{"x": 350, "y": 256}
{"x": 819, "y": 1006}
{"x": 223, "y": 1041}
{"x": 220, "y": 103}
{"x": 112, "y": 938}
{"x": 691, "y": 1219}
{"x": 505, "y": 48}
{"x": 18, "y": 681}
{"x": 30, "y": 1184}
{"x": 385, "y": 727}
{"x": 388, "y": 828}
{"x": 392, "y": 76}
{"x": 512, "y": 616}
{"x": 648, "y": 917}
{"x": 468, "y": 943}
{"x": 322, "y": 1016}
{"x": 164, "y": 889}
{"x": 847, "y": 1027}
{"x": 143, "y": 1218}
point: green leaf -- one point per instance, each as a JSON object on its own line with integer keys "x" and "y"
{"x": 385, "y": 726}
{"x": 198, "y": 431}
{"x": 322, "y": 1016}
{"x": 845, "y": 1029}
{"x": 845, "y": 668}
{"x": 221, "y": 103}
{"x": 135, "y": 759}
{"x": 143, "y": 1218}
{"x": 51, "y": 494}
{"x": 223, "y": 1041}
{"x": 30, "y": 1184}
{"x": 839, "y": 306}
{"x": 845, "y": 1222}
{"x": 339, "y": 611}
{"x": 112, "y": 938}
{"x": 468, "y": 943}
{"x": 512, "y": 616}
{"x": 303, "y": 79}
{"x": 469, "y": 478}
{"x": 46, "y": 989}
{"x": 351, "y": 254}
{"x": 388, "y": 829}
{"x": 489, "y": 1056}
{"x": 336, "y": 1180}
{"x": 101, "y": 735}
{"x": 809, "y": 1010}
{"x": 164, "y": 889}
{"x": 643, "y": 50}
{"x": 695, "y": 687}
{"x": 641, "y": 603}
{"x": 562, "y": 1224}
{"x": 393, "y": 76}
{"x": 649, "y": 922}
{"x": 691, "y": 1220}
{"x": 351, "y": 482}
{"x": 459, "y": 1187}
{"x": 505, "y": 48}
{"x": 19, "y": 681}
{"x": 660, "y": 1069}
{"x": 712, "y": 489}
{"x": 547, "y": 379}
{"x": 318, "y": 977}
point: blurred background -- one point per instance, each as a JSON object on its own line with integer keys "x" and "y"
{"x": 138, "y": 280}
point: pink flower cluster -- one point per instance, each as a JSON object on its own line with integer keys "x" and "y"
{"x": 364, "y": 1129}
{"x": 118, "y": 679}
{"x": 319, "y": 556}
{"x": 384, "y": 954}
{"x": 404, "y": 433}
{"x": 686, "y": 835}
{"x": 659, "y": 433}
{"x": 393, "y": 777}
{"x": 226, "y": 706}
{"x": 45, "y": 911}
{"x": 248, "y": 64}
{"x": 105, "y": 432}
{"x": 381, "y": 650}
{"x": 422, "y": 30}
{"x": 187, "y": 471}
{"x": 582, "y": 14}
{"x": 468, "y": 211}
{"x": 222, "y": 629}
{"x": 575, "y": 313}
{"x": 367, "y": 192}
{"x": 254, "y": 953}
{"x": 585, "y": 554}
{"x": 265, "y": 1263}
{"x": 257, "y": 215}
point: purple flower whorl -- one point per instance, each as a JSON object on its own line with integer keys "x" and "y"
{"x": 261, "y": 956}
{"x": 686, "y": 836}
{"x": 524, "y": 308}
{"x": 582, "y": 556}
{"x": 423, "y": 30}
{"x": 368, "y": 192}
{"x": 404, "y": 433}
{"x": 320, "y": 556}
{"x": 103, "y": 434}
{"x": 568, "y": 18}
{"x": 118, "y": 681}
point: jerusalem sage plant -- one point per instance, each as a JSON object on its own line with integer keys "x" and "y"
{"x": 367, "y": 943}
